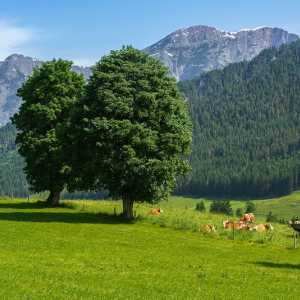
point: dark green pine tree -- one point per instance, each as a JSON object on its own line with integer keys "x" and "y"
{"x": 131, "y": 131}
{"x": 47, "y": 96}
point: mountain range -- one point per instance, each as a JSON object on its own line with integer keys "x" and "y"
{"x": 186, "y": 52}
{"x": 13, "y": 71}
{"x": 191, "y": 51}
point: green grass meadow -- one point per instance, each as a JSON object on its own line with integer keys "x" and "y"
{"x": 84, "y": 250}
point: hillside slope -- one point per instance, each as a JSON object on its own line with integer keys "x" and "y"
{"x": 12, "y": 177}
{"x": 247, "y": 127}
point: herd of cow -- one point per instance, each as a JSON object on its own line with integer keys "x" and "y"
{"x": 246, "y": 222}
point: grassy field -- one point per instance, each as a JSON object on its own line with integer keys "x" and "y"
{"x": 83, "y": 251}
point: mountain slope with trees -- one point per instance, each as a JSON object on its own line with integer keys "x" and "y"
{"x": 247, "y": 127}
{"x": 12, "y": 178}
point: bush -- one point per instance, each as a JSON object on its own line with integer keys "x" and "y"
{"x": 200, "y": 206}
{"x": 239, "y": 212}
{"x": 283, "y": 221}
{"x": 271, "y": 218}
{"x": 250, "y": 207}
{"x": 221, "y": 207}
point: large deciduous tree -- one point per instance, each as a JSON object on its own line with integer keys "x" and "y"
{"x": 47, "y": 96}
{"x": 131, "y": 131}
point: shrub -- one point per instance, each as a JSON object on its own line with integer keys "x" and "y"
{"x": 282, "y": 221}
{"x": 200, "y": 206}
{"x": 239, "y": 212}
{"x": 271, "y": 218}
{"x": 221, "y": 207}
{"x": 250, "y": 207}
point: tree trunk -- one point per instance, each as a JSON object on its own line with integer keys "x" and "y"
{"x": 54, "y": 197}
{"x": 128, "y": 208}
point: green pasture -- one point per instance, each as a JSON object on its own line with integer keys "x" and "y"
{"x": 82, "y": 250}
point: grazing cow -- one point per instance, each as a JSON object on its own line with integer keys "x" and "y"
{"x": 244, "y": 226}
{"x": 249, "y": 218}
{"x": 228, "y": 224}
{"x": 263, "y": 227}
{"x": 236, "y": 225}
{"x": 231, "y": 224}
{"x": 155, "y": 211}
{"x": 207, "y": 228}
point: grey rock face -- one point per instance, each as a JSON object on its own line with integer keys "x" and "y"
{"x": 194, "y": 50}
{"x": 13, "y": 71}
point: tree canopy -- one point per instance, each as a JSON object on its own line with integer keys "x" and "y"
{"x": 47, "y": 96}
{"x": 131, "y": 131}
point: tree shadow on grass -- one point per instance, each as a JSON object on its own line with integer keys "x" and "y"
{"x": 64, "y": 217}
{"x": 26, "y": 205}
{"x": 278, "y": 265}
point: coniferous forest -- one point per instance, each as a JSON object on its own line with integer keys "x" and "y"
{"x": 246, "y": 140}
{"x": 246, "y": 135}
{"x": 12, "y": 178}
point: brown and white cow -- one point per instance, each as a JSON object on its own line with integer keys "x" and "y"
{"x": 240, "y": 225}
{"x": 263, "y": 227}
{"x": 249, "y": 218}
{"x": 155, "y": 211}
{"x": 207, "y": 228}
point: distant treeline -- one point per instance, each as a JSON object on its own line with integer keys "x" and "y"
{"x": 246, "y": 139}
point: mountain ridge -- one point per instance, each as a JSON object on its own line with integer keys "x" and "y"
{"x": 13, "y": 72}
{"x": 188, "y": 52}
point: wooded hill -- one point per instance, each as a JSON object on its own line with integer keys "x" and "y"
{"x": 12, "y": 177}
{"x": 246, "y": 130}
{"x": 247, "y": 127}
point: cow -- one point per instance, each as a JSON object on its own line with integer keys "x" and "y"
{"x": 155, "y": 211}
{"x": 230, "y": 225}
{"x": 243, "y": 226}
{"x": 262, "y": 227}
{"x": 207, "y": 228}
{"x": 249, "y": 218}
{"x": 235, "y": 225}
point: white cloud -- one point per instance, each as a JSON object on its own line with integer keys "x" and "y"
{"x": 14, "y": 38}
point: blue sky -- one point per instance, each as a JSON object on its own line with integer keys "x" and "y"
{"x": 84, "y": 30}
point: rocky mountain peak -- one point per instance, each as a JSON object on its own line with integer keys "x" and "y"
{"x": 17, "y": 65}
{"x": 13, "y": 71}
{"x": 188, "y": 52}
